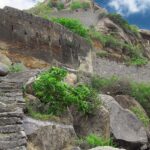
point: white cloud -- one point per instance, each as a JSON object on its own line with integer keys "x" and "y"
{"x": 127, "y": 7}
{"x": 20, "y": 4}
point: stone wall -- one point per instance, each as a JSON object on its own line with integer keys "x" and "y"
{"x": 33, "y": 36}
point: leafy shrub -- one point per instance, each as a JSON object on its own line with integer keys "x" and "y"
{"x": 94, "y": 141}
{"x": 77, "y": 5}
{"x": 74, "y": 25}
{"x": 141, "y": 116}
{"x": 52, "y": 91}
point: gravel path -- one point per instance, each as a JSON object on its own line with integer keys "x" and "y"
{"x": 107, "y": 68}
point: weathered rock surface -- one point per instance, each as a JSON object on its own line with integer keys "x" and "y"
{"x": 128, "y": 102}
{"x": 146, "y": 41}
{"x": 97, "y": 123}
{"x": 71, "y": 79}
{"x": 106, "y": 148}
{"x": 125, "y": 126}
{"x": 45, "y": 135}
{"x": 5, "y": 60}
{"x": 3, "y": 69}
{"x": 106, "y": 26}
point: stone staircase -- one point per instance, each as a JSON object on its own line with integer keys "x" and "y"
{"x": 12, "y": 135}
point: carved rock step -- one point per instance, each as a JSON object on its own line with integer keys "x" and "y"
{"x": 12, "y": 136}
{"x": 5, "y": 145}
{"x": 11, "y": 128}
{"x": 19, "y": 148}
{"x": 10, "y": 121}
{"x": 17, "y": 113}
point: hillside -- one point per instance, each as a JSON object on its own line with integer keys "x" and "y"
{"x": 73, "y": 77}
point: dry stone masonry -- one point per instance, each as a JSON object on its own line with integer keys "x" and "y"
{"x": 33, "y": 36}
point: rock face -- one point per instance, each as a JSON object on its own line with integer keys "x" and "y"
{"x": 106, "y": 26}
{"x": 125, "y": 127}
{"x": 97, "y": 123}
{"x": 106, "y": 148}
{"x": 146, "y": 41}
{"x": 44, "y": 135}
{"x": 41, "y": 38}
{"x": 5, "y": 60}
{"x": 5, "y": 63}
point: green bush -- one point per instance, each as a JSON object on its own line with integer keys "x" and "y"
{"x": 141, "y": 116}
{"x": 94, "y": 141}
{"x": 77, "y": 5}
{"x": 73, "y": 25}
{"x": 51, "y": 90}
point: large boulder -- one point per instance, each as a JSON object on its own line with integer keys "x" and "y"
{"x": 4, "y": 69}
{"x": 46, "y": 135}
{"x": 97, "y": 123}
{"x": 125, "y": 126}
{"x": 106, "y": 148}
{"x": 128, "y": 102}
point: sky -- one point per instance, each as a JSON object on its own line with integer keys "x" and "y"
{"x": 135, "y": 11}
{"x": 20, "y": 4}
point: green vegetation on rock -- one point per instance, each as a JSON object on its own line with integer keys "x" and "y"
{"x": 102, "y": 54}
{"x": 17, "y": 67}
{"x": 141, "y": 116}
{"x": 119, "y": 20}
{"x": 54, "y": 92}
{"x": 93, "y": 141}
{"x": 79, "y": 5}
{"x": 114, "y": 85}
{"x": 73, "y": 25}
{"x": 41, "y": 9}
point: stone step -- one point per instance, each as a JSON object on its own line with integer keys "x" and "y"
{"x": 11, "y": 128}
{"x": 10, "y": 121}
{"x": 19, "y": 148}
{"x": 5, "y": 145}
{"x": 12, "y": 136}
{"x": 17, "y": 113}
